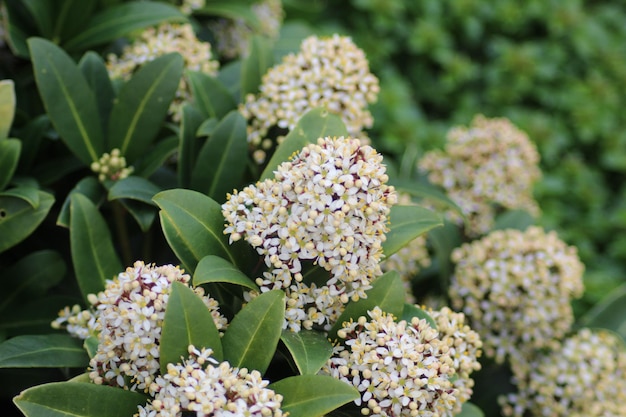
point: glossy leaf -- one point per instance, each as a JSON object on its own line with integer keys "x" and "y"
{"x": 193, "y": 226}
{"x": 212, "y": 269}
{"x": 309, "y": 349}
{"x": 252, "y": 336}
{"x": 609, "y": 313}
{"x": 117, "y": 21}
{"x": 470, "y": 410}
{"x": 88, "y": 186}
{"x": 188, "y": 321}
{"x": 28, "y": 193}
{"x": 70, "y": 19}
{"x": 68, "y": 99}
{"x": 134, "y": 188}
{"x": 189, "y": 144}
{"x": 221, "y": 163}
{"x": 428, "y": 192}
{"x": 313, "y": 395}
{"x": 7, "y": 108}
{"x": 32, "y": 315}
{"x": 43, "y": 351}
{"x": 9, "y": 157}
{"x": 18, "y": 219}
{"x": 211, "y": 96}
{"x": 259, "y": 61}
{"x": 156, "y": 157}
{"x": 77, "y": 399}
{"x": 207, "y": 127}
{"x": 411, "y": 310}
{"x": 142, "y": 105}
{"x": 407, "y": 223}
{"x": 93, "y": 255}
{"x": 97, "y": 76}
{"x": 314, "y": 124}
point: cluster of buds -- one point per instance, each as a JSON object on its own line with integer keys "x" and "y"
{"x": 111, "y": 166}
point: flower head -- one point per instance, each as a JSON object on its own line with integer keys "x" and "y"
{"x": 111, "y": 166}
{"x": 78, "y": 323}
{"x": 400, "y": 368}
{"x": 327, "y": 72}
{"x": 489, "y": 164}
{"x": 516, "y": 287}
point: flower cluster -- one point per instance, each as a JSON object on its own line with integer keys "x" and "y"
{"x": 516, "y": 287}
{"x": 78, "y": 323}
{"x": 585, "y": 377}
{"x": 187, "y": 7}
{"x": 327, "y": 72}
{"x": 111, "y": 166}
{"x": 328, "y": 205}
{"x": 155, "y": 42}
{"x": 202, "y": 386}
{"x": 400, "y": 368}
{"x": 233, "y": 35}
{"x": 487, "y": 166}
{"x": 129, "y": 317}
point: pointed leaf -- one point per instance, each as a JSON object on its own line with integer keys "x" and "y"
{"x": 43, "y": 351}
{"x": 134, "y": 188}
{"x": 444, "y": 240}
{"x": 211, "y": 96}
{"x": 88, "y": 186}
{"x": 232, "y": 11}
{"x": 32, "y": 315}
{"x": 427, "y": 191}
{"x": 220, "y": 165}
{"x": 18, "y": 219}
{"x": 407, "y": 223}
{"x": 7, "y": 108}
{"x": 254, "y": 67}
{"x": 212, "y": 268}
{"x": 9, "y": 157}
{"x": 609, "y": 313}
{"x": 77, "y": 399}
{"x": 120, "y": 20}
{"x": 193, "y": 225}
{"x": 68, "y": 99}
{"x": 188, "y": 321}
{"x": 411, "y": 310}
{"x": 252, "y": 336}
{"x": 313, "y": 395}
{"x": 43, "y": 15}
{"x": 93, "y": 254}
{"x": 95, "y": 72}
{"x": 142, "y": 105}
{"x": 143, "y": 214}
{"x": 70, "y": 19}
{"x": 30, "y": 194}
{"x": 314, "y": 124}
{"x": 156, "y": 157}
{"x": 189, "y": 144}
{"x": 309, "y": 349}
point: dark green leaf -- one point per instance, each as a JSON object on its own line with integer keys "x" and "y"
{"x": 188, "y": 321}
{"x": 120, "y": 20}
{"x": 28, "y": 193}
{"x": 313, "y": 395}
{"x": 470, "y": 410}
{"x": 609, "y": 313}
{"x": 256, "y": 65}
{"x": 406, "y": 224}
{"x": 314, "y": 124}
{"x": 411, "y": 310}
{"x": 252, "y": 336}
{"x": 68, "y": 99}
{"x": 212, "y": 268}
{"x": 93, "y": 254}
{"x": 142, "y": 105}
{"x": 134, "y": 188}
{"x": 9, "y": 157}
{"x": 43, "y": 14}
{"x": 77, "y": 399}
{"x": 91, "y": 346}
{"x": 444, "y": 240}
{"x": 231, "y": 10}
{"x": 88, "y": 186}
{"x": 220, "y": 165}
{"x": 70, "y": 18}
{"x": 97, "y": 76}
{"x": 18, "y": 219}
{"x": 43, "y": 351}
{"x": 513, "y": 219}
{"x": 207, "y": 127}
{"x": 31, "y": 135}
{"x": 32, "y": 315}
{"x": 189, "y": 144}
{"x": 7, "y": 108}
{"x": 309, "y": 349}
{"x": 428, "y": 192}
{"x": 156, "y": 157}
{"x": 143, "y": 214}
{"x": 210, "y": 95}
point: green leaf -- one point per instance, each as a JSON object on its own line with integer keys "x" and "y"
{"x": 71, "y": 18}
{"x": 43, "y": 15}
{"x": 387, "y": 292}
{"x": 88, "y": 186}
{"x": 188, "y": 321}
{"x": 444, "y": 240}
{"x": 43, "y": 351}
{"x": 220, "y": 165}
{"x": 156, "y": 157}
{"x": 410, "y": 310}
{"x": 189, "y": 143}
{"x": 142, "y": 105}
{"x": 97, "y": 76}
{"x": 28, "y": 193}
{"x": 18, "y": 219}
{"x": 407, "y": 223}
{"x": 254, "y": 67}
{"x": 93, "y": 254}
{"x": 7, "y": 108}
{"x": 513, "y": 219}
{"x": 231, "y": 10}
{"x": 134, "y": 188}
{"x": 609, "y": 313}
{"x": 212, "y": 269}
{"x": 120, "y": 20}
{"x": 32, "y": 315}
{"x": 314, "y": 124}
{"x": 31, "y": 136}
{"x": 470, "y": 410}
{"x": 77, "y": 399}
{"x": 68, "y": 99}
{"x": 9, "y": 157}
{"x": 252, "y": 336}
{"x": 309, "y": 349}
{"x": 193, "y": 226}
{"x": 428, "y": 192}
{"x": 207, "y": 127}
{"x": 313, "y": 395}
{"x": 210, "y": 95}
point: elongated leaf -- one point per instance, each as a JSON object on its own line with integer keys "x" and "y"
{"x": 407, "y": 223}
{"x": 32, "y": 315}
{"x": 117, "y": 21}
{"x": 70, "y": 19}
{"x": 18, "y": 219}
{"x": 9, "y": 157}
{"x": 187, "y": 321}
{"x": 428, "y": 192}
{"x": 211, "y": 96}
{"x": 31, "y": 136}
{"x": 212, "y": 268}
{"x": 93, "y": 254}
{"x": 470, "y": 410}
{"x": 387, "y": 292}
{"x": 142, "y": 105}
{"x": 609, "y": 313}
{"x": 97, "y": 76}
{"x": 444, "y": 240}
{"x": 188, "y": 146}
{"x": 219, "y": 167}
{"x": 259, "y": 60}
{"x": 28, "y": 193}
{"x": 309, "y": 349}
{"x": 68, "y": 99}
{"x": 193, "y": 226}
{"x": 231, "y": 10}
{"x": 43, "y": 351}
{"x": 411, "y": 310}
{"x": 252, "y": 336}
{"x": 314, "y": 124}
{"x": 7, "y": 108}
{"x": 43, "y": 14}
{"x": 514, "y": 219}
{"x": 134, "y": 188}
{"x": 156, "y": 157}
{"x": 313, "y": 395}
{"x": 77, "y": 399}
{"x": 88, "y": 186}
